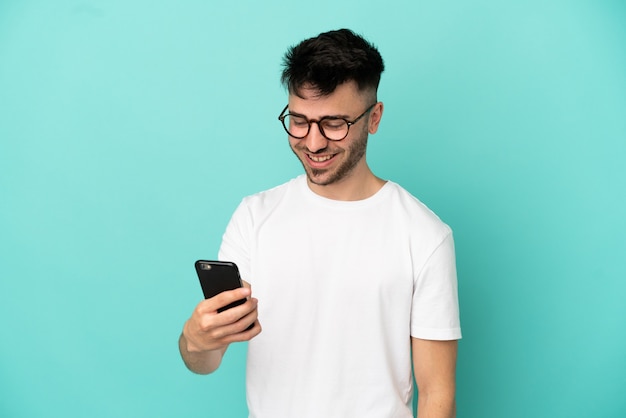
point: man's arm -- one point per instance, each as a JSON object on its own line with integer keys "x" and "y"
{"x": 200, "y": 362}
{"x": 207, "y": 334}
{"x": 434, "y": 365}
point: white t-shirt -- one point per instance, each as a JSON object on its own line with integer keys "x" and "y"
{"x": 342, "y": 285}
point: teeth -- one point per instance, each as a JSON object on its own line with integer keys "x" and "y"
{"x": 320, "y": 159}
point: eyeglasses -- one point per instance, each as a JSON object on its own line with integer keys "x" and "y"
{"x": 331, "y": 127}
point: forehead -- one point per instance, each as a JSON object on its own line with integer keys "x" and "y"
{"x": 345, "y": 100}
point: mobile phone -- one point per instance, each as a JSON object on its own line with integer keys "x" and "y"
{"x": 217, "y": 277}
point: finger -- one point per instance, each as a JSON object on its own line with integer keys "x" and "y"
{"x": 212, "y": 320}
{"x": 232, "y": 315}
{"x": 245, "y": 335}
{"x": 223, "y": 299}
{"x": 232, "y": 321}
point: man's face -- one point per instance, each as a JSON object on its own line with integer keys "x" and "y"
{"x": 330, "y": 162}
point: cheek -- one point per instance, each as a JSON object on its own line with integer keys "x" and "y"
{"x": 359, "y": 144}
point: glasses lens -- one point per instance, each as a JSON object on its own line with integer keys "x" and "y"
{"x": 335, "y": 129}
{"x": 297, "y": 126}
{"x": 332, "y": 128}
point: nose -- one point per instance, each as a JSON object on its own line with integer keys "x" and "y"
{"x": 315, "y": 141}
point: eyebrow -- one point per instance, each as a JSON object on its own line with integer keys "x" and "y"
{"x": 323, "y": 117}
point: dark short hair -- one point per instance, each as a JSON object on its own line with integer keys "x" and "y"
{"x": 330, "y": 59}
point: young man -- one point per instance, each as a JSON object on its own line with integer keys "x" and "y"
{"x": 354, "y": 279}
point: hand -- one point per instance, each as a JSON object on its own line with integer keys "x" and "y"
{"x": 208, "y": 330}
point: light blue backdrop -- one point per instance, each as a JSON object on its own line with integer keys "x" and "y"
{"x": 130, "y": 130}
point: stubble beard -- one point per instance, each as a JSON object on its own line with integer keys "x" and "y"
{"x": 356, "y": 152}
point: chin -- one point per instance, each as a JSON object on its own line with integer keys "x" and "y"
{"x": 325, "y": 178}
{"x": 319, "y": 180}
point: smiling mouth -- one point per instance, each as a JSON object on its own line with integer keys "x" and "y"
{"x": 320, "y": 159}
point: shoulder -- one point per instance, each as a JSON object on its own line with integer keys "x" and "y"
{"x": 251, "y": 212}
{"x": 267, "y": 200}
{"x": 414, "y": 213}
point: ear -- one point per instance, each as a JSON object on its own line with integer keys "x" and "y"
{"x": 376, "y": 115}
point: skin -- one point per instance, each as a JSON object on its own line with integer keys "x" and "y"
{"x": 341, "y": 171}
{"x": 336, "y": 170}
{"x": 207, "y": 334}
{"x": 434, "y": 365}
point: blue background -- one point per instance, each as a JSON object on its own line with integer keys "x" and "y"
{"x": 130, "y": 130}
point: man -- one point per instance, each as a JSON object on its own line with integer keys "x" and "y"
{"x": 354, "y": 279}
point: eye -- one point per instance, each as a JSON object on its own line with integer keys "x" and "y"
{"x": 297, "y": 121}
{"x": 334, "y": 124}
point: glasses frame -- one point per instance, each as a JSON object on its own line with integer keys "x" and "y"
{"x": 282, "y": 117}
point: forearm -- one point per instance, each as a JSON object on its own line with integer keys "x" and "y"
{"x": 200, "y": 362}
{"x": 437, "y": 405}
{"x": 434, "y": 364}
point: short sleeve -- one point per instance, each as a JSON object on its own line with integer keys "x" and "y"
{"x": 435, "y": 305}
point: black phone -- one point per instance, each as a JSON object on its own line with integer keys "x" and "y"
{"x": 217, "y": 277}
